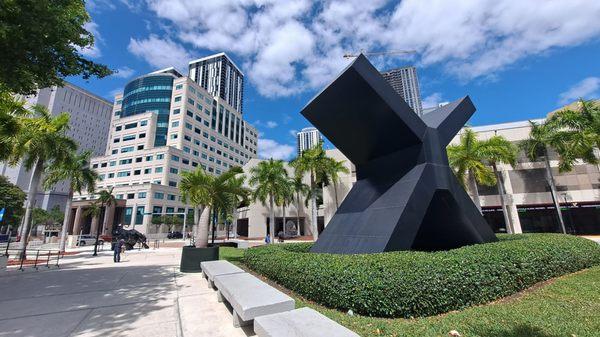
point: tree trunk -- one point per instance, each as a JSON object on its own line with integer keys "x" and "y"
{"x": 105, "y": 220}
{"x": 65, "y": 226}
{"x": 500, "y": 183}
{"x": 203, "y": 224}
{"x": 283, "y": 219}
{"x": 36, "y": 176}
{"x": 272, "y": 217}
{"x": 298, "y": 213}
{"x": 474, "y": 191}
{"x": 337, "y": 204}
{"x": 313, "y": 208}
{"x": 234, "y": 222}
{"x": 553, "y": 193}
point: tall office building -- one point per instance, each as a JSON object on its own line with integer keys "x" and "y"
{"x": 307, "y": 138}
{"x": 163, "y": 124}
{"x": 405, "y": 82}
{"x": 90, "y": 121}
{"x": 218, "y": 75}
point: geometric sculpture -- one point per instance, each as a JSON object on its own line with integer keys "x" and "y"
{"x": 405, "y": 197}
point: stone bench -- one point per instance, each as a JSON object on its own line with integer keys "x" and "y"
{"x": 211, "y": 269}
{"x": 303, "y": 322}
{"x": 250, "y": 297}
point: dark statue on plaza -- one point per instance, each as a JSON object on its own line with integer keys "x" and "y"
{"x": 130, "y": 236}
{"x": 406, "y": 197}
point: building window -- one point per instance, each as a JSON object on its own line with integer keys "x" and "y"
{"x": 129, "y": 137}
{"x": 115, "y": 151}
{"x": 139, "y": 215}
{"x": 174, "y": 136}
{"x": 142, "y": 135}
{"x": 185, "y": 161}
{"x": 140, "y": 147}
{"x": 176, "y": 111}
{"x": 137, "y": 172}
{"x": 186, "y": 137}
{"x": 186, "y": 149}
{"x": 127, "y": 217}
{"x": 148, "y": 158}
{"x": 159, "y": 195}
{"x": 103, "y": 164}
{"x": 139, "y": 159}
{"x": 188, "y": 126}
{"x": 147, "y": 171}
{"x": 174, "y": 170}
{"x": 125, "y": 161}
{"x": 190, "y": 114}
{"x": 95, "y": 166}
{"x": 144, "y": 123}
{"x": 111, "y": 175}
{"x": 130, "y": 195}
{"x": 171, "y": 197}
{"x": 158, "y": 170}
{"x": 127, "y": 149}
{"x": 172, "y": 183}
{"x": 191, "y": 101}
{"x": 178, "y": 99}
{"x": 118, "y": 128}
{"x": 174, "y": 158}
{"x": 142, "y": 195}
{"x": 124, "y": 174}
{"x": 160, "y": 156}
{"x": 116, "y": 140}
{"x": 130, "y": 126}
{"x": 175, "y": 124}
{"x": 157, "y": 210}
{"x": 179, "y": 87}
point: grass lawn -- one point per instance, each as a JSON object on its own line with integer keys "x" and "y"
{"x": 566, "y": 306}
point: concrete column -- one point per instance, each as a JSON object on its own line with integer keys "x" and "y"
{"x": 133, "y": 213}
{"x": 78, "y": 220}
{"x": 109, "y": 219}
{"x": 94, "y": 226}
{"x": 513, "y": 214}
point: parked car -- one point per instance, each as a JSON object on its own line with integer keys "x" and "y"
{"x": 88, "y": 240}
{"x": 174, "y": 235}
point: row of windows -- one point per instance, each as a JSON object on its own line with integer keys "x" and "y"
{"x": 129, "y": 160}
{"x": 148, "y": 100}
{"x": 131, "y": 125}
{"x": 148, "y": 88}
{"x": 129, "y": 137}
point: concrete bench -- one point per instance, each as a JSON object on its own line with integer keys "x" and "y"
{"x": 211, "y": 269}
{"x": 250, "y": 297}
{"x": 303, "y": 322}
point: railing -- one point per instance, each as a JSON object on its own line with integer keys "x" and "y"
{"x": 43, "y": 257}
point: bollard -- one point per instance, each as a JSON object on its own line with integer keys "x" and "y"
{"x": 48, "y": 260}
{"x": 36, "y": 260}
{"x": 57, "y": 259}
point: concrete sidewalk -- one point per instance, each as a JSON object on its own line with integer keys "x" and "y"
{"x": 144, "y": 295}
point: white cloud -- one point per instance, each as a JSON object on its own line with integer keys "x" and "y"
{"x": 292, "y": 46}
{"x": 432, "y": 100}
{"x": 268, "y": 148}
{"x": 92, "y": 51}
{"x": 267, "y": 124}
{"x": 160, "y": 53}
{"x": 114, "y": 92}
{"x": 271, "y": 124}
{"x": 124, "y": 72}
{"x": 293, "y": 133}
{"x": 587, "y": 88}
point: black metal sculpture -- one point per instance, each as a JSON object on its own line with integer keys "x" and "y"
{"x": 406, "y": 196}
{"x": 130, "y": 236}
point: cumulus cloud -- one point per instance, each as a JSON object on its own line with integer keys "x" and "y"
{"x": 432, "y": 100}
{"x": 587, "y": 88}
{"x": 124, "y": 72}
{"x": 293, "y": 46}
{"x": 92, "y": 51}
{"x": 267, "y": 124}
{"x": 111, "y": 94}
{"x": 269, "y": 148}
{"x": 160, "y": 52}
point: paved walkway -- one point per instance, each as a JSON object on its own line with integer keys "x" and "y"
{"x": 144, "y": 295}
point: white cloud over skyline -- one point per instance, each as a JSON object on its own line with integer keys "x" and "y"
{"x": 269, "y": 148}
{"x": 587, "y": 88}
{"x": 288, "y": 47}
{"x": 160, "y": 52}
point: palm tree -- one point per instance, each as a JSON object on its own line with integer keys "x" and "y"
{"x": 106, "y": 199}
{"x": 579, "y": 133}
{"x": 207, "y": 192}
{"x": 269, "y": 179}
{"x": 314, "y": 162}
{"x": 333, "y": 170}
{"x": 42, "y": 142}
{"x": 194, "y": 187}
{"x": 468, "y": 160}
{"x": 499, "y": 150}
{"x": 80, "y": 175}
{"x": 11, "y": 109}
{"x": 284, "y": 198}
{"x": 300, "y": 190}
{"x": 542, "y": 136}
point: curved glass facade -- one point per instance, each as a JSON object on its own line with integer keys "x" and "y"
{"x": 150, "y": 93}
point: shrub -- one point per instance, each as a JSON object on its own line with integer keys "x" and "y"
{"x": 413, "y": 284}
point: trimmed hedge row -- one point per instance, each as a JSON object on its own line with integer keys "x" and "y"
{"x": 412, "y": 284}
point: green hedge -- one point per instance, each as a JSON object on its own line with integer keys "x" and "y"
{"x": 413, "y": 284}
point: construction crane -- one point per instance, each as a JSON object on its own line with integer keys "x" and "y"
{"x": 392, "y": 52}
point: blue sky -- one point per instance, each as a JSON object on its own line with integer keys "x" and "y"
{"x": 516, "y": 59}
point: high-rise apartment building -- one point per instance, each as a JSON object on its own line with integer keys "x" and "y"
{"x": 307, "y": 138}
{"x": 405, "y": 82}
{"x": 163, "y": 124}
{"x": 218, "y": 75}
{"x": 90, "y": 121}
